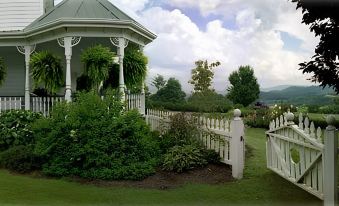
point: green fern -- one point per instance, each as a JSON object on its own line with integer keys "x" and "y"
{"x": 47, "y": 71}
{"x": 97, "y": 60}
{"x": 3, "y": 71}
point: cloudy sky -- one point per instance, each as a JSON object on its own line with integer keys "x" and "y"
{"x": 266, "y": 34}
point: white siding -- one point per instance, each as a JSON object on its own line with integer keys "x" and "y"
{"x": 17, "y": 14}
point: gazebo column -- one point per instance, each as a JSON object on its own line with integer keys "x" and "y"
{"x": 27, "y": 51}
{"x": 68, "y": 54}
{"x": 68, "y": 43}
{"x": 121, "y": 43}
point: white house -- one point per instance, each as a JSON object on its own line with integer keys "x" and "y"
{"x": 27, "y": 26}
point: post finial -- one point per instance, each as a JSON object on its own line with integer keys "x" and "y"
{"x": 289, "y": 117}
{"x": 237, "y": 114}
{"x": 330, "y": 119}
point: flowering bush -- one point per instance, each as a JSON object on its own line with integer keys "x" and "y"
{"x": 15, "y": 128}
{"x": 260, "y": 118}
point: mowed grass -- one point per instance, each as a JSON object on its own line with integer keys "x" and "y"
{"x": 259, "y": 187}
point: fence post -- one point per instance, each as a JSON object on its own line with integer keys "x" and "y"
{"x": 330, "y": 163}
{"x": 237, "y": 145}
{"x": 143, "y": 104}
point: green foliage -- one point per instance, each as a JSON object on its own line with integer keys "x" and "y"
{"x": 323, "y": 21}
{"x": 202, "y": 76}
{"x": 159, "y": 82}
{"x": 19, "y": 159}
{"x": 209, "y": 102}
{"x": 211, "y": 156}
{"x": 97, "y": 61}
{"x": 328, "y": 109}
{"x": 261, "y": 118}
{"x": 185, "y": 157}
{"x": 3, "y": 70}
{"x": 244, "y": 87}
{"x": 170, "y": 93}
{"x": 135, "y": 67}
{"x": 92, "y": 138}
{"x": 182, "y": 131}
{"x": 47, "y": 71}
{"x": 15, "y": 128}
{"x": 84, "y": 83}
{"x": 135, "y": 70}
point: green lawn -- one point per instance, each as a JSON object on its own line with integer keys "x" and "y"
{"x": 259, "y": 187}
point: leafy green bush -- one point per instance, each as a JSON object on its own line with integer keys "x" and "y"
{"x": 92, "y": 138}
{"x": 329, "y": 109}
{"x": 182, "y": 131}
{"x": 19, "y": 159}
{"x": 185, "y": 157}
{"x": 15, "y": 128}
{"x": 206, "y": 103}
{"x": 211, "y": 156}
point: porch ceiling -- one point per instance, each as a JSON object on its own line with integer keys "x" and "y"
{"x": 84, "y": 18}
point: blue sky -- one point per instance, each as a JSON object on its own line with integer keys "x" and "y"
{"x": 266, "y": 34}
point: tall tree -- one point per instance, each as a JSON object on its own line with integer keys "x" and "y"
{"x": 171, "y": 92}
{"x": 323, "y": 19}
{"x": 159, "y": 82}
{"x": 202, "y": 76}
{"x": 244, "y": 87}
{"x": 3, "y": 70}
{"x": 47, "y": 71}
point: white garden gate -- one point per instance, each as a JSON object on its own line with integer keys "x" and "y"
{"x": 298, "y": 154}
{"x": 224, "y": 136}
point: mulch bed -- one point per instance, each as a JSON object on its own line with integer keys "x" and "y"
{"x": 211, "y": 174}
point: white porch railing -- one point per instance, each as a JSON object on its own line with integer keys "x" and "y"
{"x": 224, "y": 136}
{"x": 136, "y": 101}
{"x": 44, "y": 104}
{"x": 10, "y": 103}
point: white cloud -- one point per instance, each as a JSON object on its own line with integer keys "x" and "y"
{"x": 180, "y": 42}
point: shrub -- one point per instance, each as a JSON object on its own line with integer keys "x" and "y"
{"x": 182, "y": 131}
{"x": 259, "y": 118}
{"x": 92, "y": 138}
{"x": 15, "y": 128}
{"x": 19, "y": 159}
{"x": 211, "y": 156}
{"x": 181, "y": 158}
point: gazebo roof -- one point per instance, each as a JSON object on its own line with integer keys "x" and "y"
{"x": 88, "y": 18}
{"x": 81, "y": 9}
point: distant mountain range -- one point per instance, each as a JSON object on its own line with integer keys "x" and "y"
{"x": 297, "y": 95}
{"x": 275, "y": 88}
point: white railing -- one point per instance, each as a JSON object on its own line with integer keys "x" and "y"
{"x": 44, "y": 104}
{"x": 224, "y": 136}
{"x": 11, "y": 103}
{"x": 136, "y": 101}
{"x": 304, "y": 155}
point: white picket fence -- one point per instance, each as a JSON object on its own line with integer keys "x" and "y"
{"x": 298, "y": 154}
{"x": 224, "y": 136}
{"x": 136, "y": 101}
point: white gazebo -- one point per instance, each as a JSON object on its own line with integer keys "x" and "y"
{"x": 66, "y": 29}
